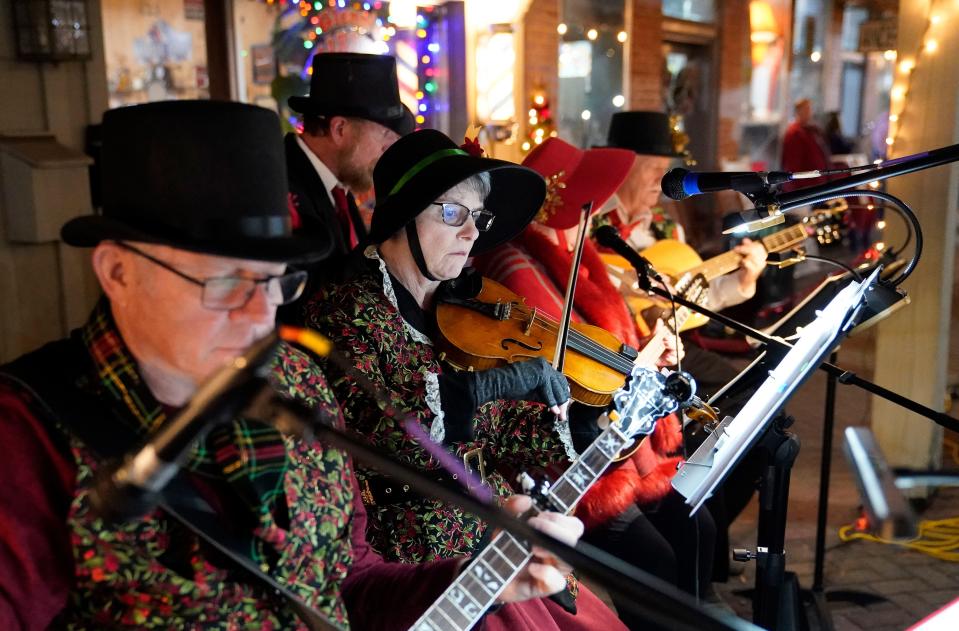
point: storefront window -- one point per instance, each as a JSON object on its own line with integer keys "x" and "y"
{"x": 276, "y": 42}
{"x": 155, "y": 50}
{"x": 760, "y": 127}
{"x": 591, "y": 66}
{"x": 852, "y": 81}
{"x": 692, "y": 10}
{"x": 254, "y": 22}
{"x": 809, "y": 33}
{"x": 852, "y": 19}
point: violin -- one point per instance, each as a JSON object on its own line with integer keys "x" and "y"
{"x": 497, "y": 327}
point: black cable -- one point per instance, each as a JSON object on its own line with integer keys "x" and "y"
{"x": 908, "y": 225}
{"x": 855, "y": 169}
{"x": 906, "y": 212}
{"x": 854, "y": 273}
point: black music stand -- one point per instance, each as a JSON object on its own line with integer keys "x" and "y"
{"x": 775, "y": 601}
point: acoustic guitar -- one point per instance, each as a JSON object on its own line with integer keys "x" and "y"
{"x": 690, "y": 275}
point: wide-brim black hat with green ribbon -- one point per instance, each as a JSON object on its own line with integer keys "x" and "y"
{"x": 204, "y": 176}
{"x": 417, "y": 169}
{"x": 358, "y": 85}
{"x": 643, "y": 132}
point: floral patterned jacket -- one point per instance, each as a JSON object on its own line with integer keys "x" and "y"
{"x": 61, "y": 566}
{"x": 362, "y": 318}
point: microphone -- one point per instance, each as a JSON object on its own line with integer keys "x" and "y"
{"x": 888, "y": 511}
{"x": 681, "y": 183}
{"x": 608, "y": 236}
{"x": 129, "y": 489}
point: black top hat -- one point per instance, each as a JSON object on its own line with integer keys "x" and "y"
{"x": 354, "y": 84}
{"x": 648, "y": 133}
{"x": 420, "y": 167}
{"x": 204, "y": 176}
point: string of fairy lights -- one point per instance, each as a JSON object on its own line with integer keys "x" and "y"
{"x": 906, "y": 66}
{"x": 927, "y": 45}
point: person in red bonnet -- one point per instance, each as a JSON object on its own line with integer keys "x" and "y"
{"x": 632, "y": 511}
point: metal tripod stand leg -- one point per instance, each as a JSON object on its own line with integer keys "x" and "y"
{"x": 776, "y": 597}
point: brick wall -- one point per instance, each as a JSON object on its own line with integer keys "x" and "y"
{"x": 644, "y": 20}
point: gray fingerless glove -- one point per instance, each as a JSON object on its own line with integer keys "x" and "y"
{"x": 533, "y": 380}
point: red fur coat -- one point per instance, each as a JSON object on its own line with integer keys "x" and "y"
{"x": 535, "y": 267}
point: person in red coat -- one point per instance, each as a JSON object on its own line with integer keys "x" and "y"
{"x": 632, "y": 511}
{"x": 805, "y": 147}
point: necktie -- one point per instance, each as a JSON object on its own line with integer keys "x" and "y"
{"x": 344, "y": 217}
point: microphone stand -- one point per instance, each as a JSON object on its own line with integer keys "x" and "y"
{"x": 771, "y": 204}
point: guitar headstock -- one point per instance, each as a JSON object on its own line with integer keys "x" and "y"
{"x": 825, "y": 226}
{"x": 693, "y": 287}
{"x": 649, "y": 396}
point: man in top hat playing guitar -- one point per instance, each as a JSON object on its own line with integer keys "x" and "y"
{"x": 351, "y": 116}
{"x": 633, "y": 210}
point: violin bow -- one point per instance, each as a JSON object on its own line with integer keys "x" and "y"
{"x": 559, "y": 357}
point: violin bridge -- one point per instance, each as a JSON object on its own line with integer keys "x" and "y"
{"x": 529, "y": 323}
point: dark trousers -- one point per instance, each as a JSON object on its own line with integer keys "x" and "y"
{"x": 710, "y": 370}
{"x": 663, "y": 540}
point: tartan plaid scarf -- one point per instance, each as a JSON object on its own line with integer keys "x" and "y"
{"x": 250, "y": 456}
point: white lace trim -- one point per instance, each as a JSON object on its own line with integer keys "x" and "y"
{"x": 561, "y": 428}
{"x": 438, "y": 427}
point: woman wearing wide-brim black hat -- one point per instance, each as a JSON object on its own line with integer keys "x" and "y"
{"x": 436, "y": 205}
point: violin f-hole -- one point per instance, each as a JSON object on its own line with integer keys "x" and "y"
{"x": 505, "y": 344}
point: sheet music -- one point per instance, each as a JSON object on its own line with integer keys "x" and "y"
{"x": 699, "y": 476}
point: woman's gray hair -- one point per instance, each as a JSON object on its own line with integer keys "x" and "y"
{"x": 478, "y": 183}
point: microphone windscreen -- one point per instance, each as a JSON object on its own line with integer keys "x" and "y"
{"x": 607, "y": 236}
{"x": 672, "y": 184}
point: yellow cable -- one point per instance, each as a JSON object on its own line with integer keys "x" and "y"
{"x": 937, "y": 538}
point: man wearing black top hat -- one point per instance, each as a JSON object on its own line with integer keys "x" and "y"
{"x": 351, "y": 116}
{"x": 633, "y": 212}
{"x": 191, "y": 252}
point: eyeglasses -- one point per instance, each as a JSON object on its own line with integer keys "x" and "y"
{"x": 456, "y": 215}
{"x": 233, "y": 292}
